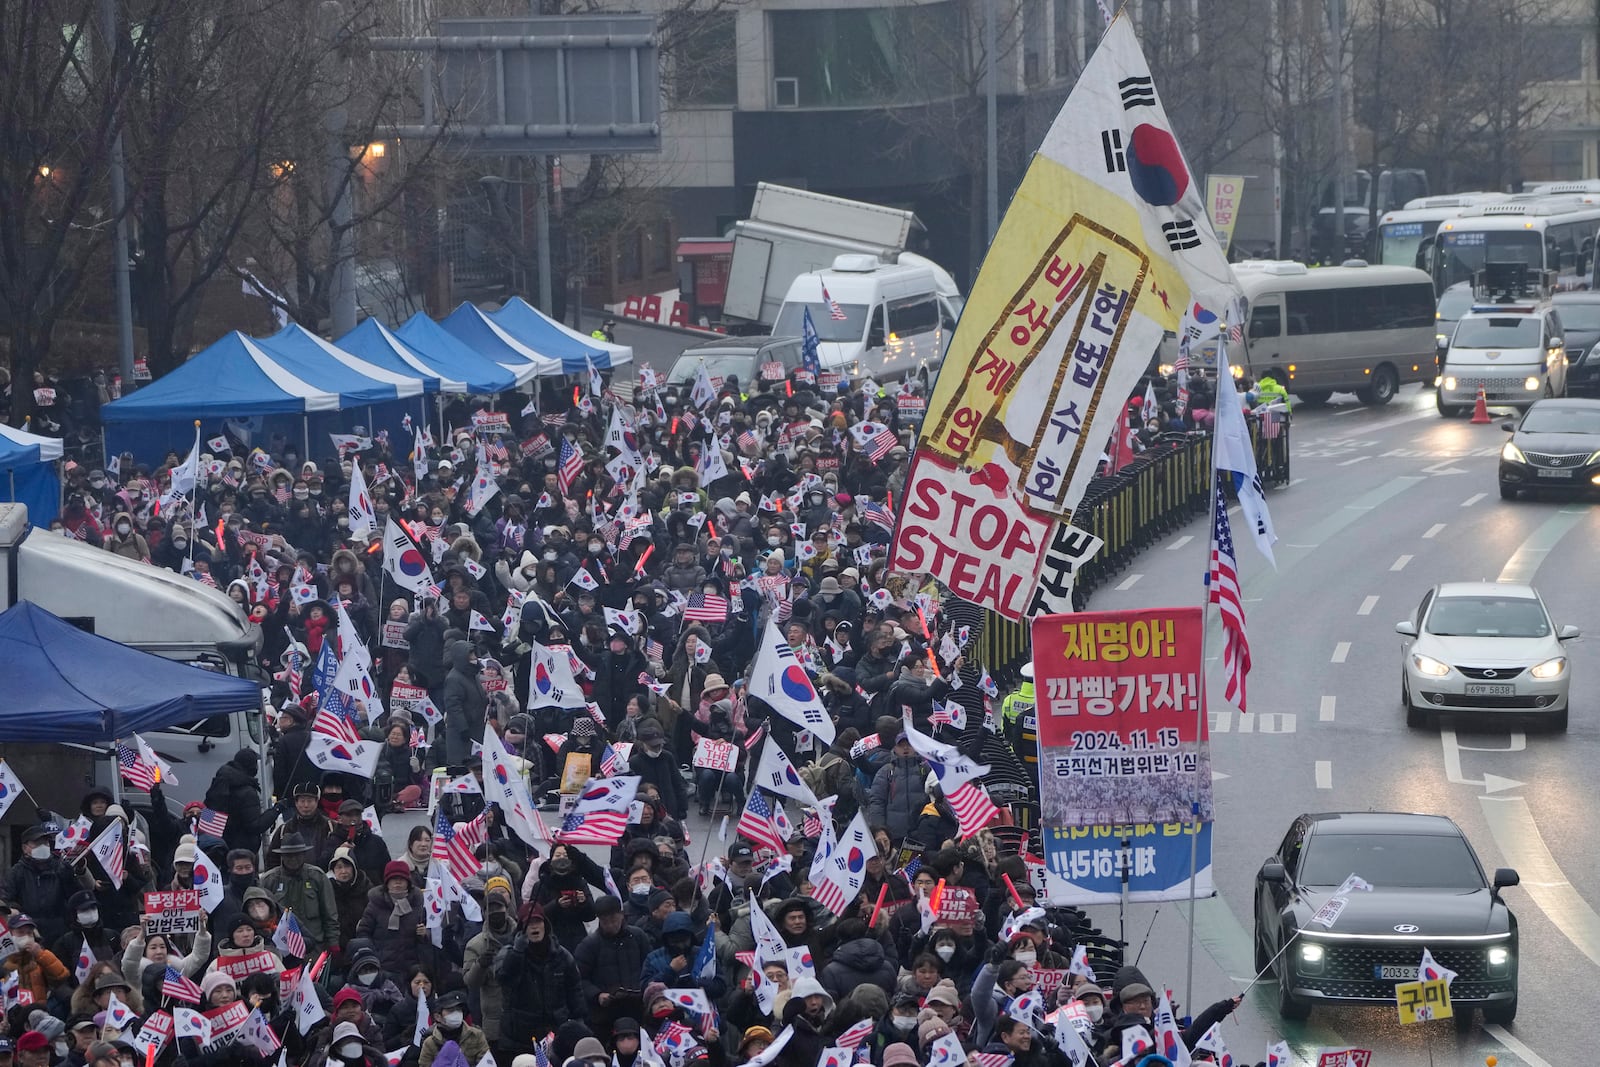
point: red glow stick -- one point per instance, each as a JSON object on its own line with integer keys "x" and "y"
{"x": 882, "y": 891}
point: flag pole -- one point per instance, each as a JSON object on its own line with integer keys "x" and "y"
{"x": 1213, "y": 489}
{"x": 194, "y": 495}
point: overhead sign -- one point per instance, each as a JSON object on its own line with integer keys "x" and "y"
{"x": 1122, "y": 728}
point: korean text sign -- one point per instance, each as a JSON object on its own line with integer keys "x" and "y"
{"x": 1122, "y": 729}
{"x": 173, "y": 912}
{"x": 1085, "y": 864}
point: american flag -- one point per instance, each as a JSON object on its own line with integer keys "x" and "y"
{"x": 174, "y": 984}
{"x": 593, "y": 828}
{"x": 811, "y": 827}
{"x": 757, "y": 825}
{"x": 992, "y": 1059}
{"x": 748, "y": 442}
{"x": 878, "y": 515}
{"x": 1223, "y": 581}
{"x": 673, "y": 1037}
{"x": 835, "y": 312}
{"x": 571, "y": 465}
{"x": 755, "y": 737}
{"x": 609, "y": 761}
{"x": 334, "y": 725}
{"x": 554, "y": 418}
{"x": 909, "y": 871}
{"x": 289, "y": 937}
{"x": 654, "y": 650}
{"x": 856, "y": 1034}
{"x": 210, "y": 822}
{"x": 293, "y": 670}
{"x": 463, "y": 843}
{"x": 974, "y": 810}
{"x": 139, "y": 774}
{"x": 704, "y": 607}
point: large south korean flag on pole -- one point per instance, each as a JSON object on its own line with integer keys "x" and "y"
{"x": 1098, "y": 254}
{"x": 778, "y": 678}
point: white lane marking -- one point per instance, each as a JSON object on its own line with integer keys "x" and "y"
{"x": 1367, "y": 605}
{"x": 1217, "y": 776}
{"x": 1354, "y": 461}
{"x": 1266, "y": 722}
{"x": 1180, "y": 542}
{"x": 1511, "y": 823}
{"x": 1433, "y": 531}
{"x": 1340, "y": 651}
{"x": 1294, "y": 482}
{"x": 1324, "y": 774}
{"x": 1400, "y": 564}
{"x": 1473, "y": 499}
{"x": 1492, "y": 783}
{"x": 1500, "y": 1034}
{"x": 1129, "y": 582}
{"x": 1524, "y": 562}
{"x": 1325, "y": 712}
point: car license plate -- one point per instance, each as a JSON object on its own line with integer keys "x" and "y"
{"x": 1548, "y": 472}
{"x": 1491, "y": 690}
{"x": 1395, "y": 973}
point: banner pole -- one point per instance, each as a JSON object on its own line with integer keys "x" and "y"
{"x": 1224, "y": 380}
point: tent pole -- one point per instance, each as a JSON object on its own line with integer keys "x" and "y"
{"x": 371, "y": 426}
{"x": 305, "y": 433}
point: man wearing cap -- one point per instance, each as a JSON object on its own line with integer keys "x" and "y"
{"x": 307, "y": 820}
{"x": 367, "y": 850}
{"x": 657, "y": 765}
{"x": 477, "y": 962}
{"x": 33, "y": 1050}
{"x": 609, "y": 963}
{"x": 1020, "y": 721}
{"x": 42, "y": 884}
{"x": 450, "y": 1024}
{"x": 36, "y": 968}
{"x": 299, "y": 887}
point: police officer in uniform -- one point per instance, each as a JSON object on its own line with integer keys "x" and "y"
{"x": 1019, "y": 717}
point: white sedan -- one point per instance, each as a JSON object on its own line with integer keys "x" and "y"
{"x": 1476, "y": 647}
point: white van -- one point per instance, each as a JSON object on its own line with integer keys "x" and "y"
{"x": 1515, "y": 353}
{"x": 1352, "y": 328}
{"x": 881, "y": 321}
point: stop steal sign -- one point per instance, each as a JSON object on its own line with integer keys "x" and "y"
{"x": 968, "y": 530}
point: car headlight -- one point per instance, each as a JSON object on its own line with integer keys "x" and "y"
{"x": 1166, "y": 370}
{"x": 1450, "y": 383}
{"x": 1499, "y": 956}
{"x": 1311, "y": 956}
{"x": 1430, "y": 666}
{"x": 1594, "y": 456}
{"x": 1512, "y": 454}
{"x": 1550, "y": 668}
{"x": 1531, "y": 384}
{"x": 1441, "y": 339}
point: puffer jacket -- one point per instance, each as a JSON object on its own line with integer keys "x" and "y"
{"x": 857, "y": 963}
{"x": 235, "y": 792}
{"x": 540, "y": 990}
{"x": 464, "y": 703}
{"x": 397, "y": 949}
{"x": 477, "y": 971}
{"x": 898, "y": 796}
{"x": 609, "y": 964}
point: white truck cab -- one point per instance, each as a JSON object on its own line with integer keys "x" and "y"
{"x": 148, "y": 608}
{"x": 879, "y": 320}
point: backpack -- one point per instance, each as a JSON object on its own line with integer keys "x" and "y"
{"x": 822, "y": 776}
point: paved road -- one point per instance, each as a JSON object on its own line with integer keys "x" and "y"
{"x": 1384, "y": 503}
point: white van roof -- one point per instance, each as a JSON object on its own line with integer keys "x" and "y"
{"x": 1261, "y": 276}
{"x": 890, "y": 281}
{"x": 135, "y": 603}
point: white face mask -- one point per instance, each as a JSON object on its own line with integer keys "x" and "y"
{"x": 945, "y": 952}
{"x": 904, "y": 1023}
{"x": 452, "y": 1020}
{"x": 123, "y": 528}
{"x": 367, "y": 977}
{"x": 1095, "y": 1011}
{"x": 23, "y": 940}
{"x": 1025, "y": 957}
{"x": 40, "y": 852}
{"x": 88, "y": 918}
{"x": 774, "y": 541}
{"x": 640, "y": 890}
{"x": 350, "y": 1050}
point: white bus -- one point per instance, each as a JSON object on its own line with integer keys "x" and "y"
{"x": 1354, "y": 328}
{"x": 1554, "y": 237}
{"x": 1406, "y": 234}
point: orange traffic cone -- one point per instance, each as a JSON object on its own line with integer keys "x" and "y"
{"x": 1480, "y": 411}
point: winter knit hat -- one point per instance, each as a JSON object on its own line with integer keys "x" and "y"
{"x": 944, "y": 992}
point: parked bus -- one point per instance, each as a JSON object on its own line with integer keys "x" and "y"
{"x": 1354, "y": 328}
{"x": 1553, "y": 236}
{"x": 1406, "y": 235}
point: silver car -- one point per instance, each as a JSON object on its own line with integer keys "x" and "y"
{"x": 1476, "y": 647}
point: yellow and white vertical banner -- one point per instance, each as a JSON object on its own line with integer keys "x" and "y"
{"x": 1223, "y": 192}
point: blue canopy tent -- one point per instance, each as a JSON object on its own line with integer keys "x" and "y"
{"x": 232, "y": 378}
{"x": 469, "y": 325}
{"x": 66, "y": 685}
{"x": 551, "y": 338}
{"x": 28, "y": 473}
{"x": 439, "y": 348}
{"x": 371, "y": 342}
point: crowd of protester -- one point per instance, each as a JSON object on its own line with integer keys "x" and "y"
{"x": 767, "y": 499}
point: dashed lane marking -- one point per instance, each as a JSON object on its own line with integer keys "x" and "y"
{"x": 1341, "y": 651}
{"x": 1367, "y": 605}
{"x": 1325, "y": 711}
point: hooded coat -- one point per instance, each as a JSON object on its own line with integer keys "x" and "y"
{"x": 464, "y": 704}
{"x": 858, "y": 963}
{"x": 235, "y": 792}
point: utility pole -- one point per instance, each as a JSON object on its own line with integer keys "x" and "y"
{"x": 1336, "y": 49}
{"x": 991, "y": 87}
{"x": 117, "y": 176}
{"x": 542, "y": 235}
{"x": 341, "y": 213}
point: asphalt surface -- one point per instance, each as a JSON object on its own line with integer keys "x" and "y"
{"x": 1383, "y": 504}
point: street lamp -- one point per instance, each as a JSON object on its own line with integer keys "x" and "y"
{"x": 542, "y": 231}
